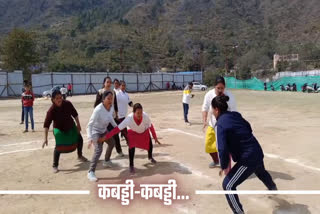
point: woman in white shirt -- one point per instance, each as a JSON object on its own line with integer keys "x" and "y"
{"x": 123, "y": 101}
{"x": 210, "y": 141}
{"x": 139, "y": 125}
{"x": 101, "y": 118}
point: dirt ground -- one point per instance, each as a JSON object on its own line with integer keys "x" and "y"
{"x": 286, "y": 124}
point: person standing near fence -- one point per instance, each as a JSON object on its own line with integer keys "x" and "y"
{"x": 69, "y": 89}
{"x": 116, "y": 85}
{"x": 186, "y": 101}
{"x": 67, "y": 134}
{"x": 27, "y": 100}
{"x": 235, "y": 138}
{"x": 25, "y": 82}
{"x": 123, "y": 101}
{"x": 210, "y": 141}
{"x": 64, "y": 92}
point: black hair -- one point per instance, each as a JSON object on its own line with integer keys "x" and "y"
{"x": 105, "y": 94}
{"x": 190, "y": 83}
{"x": 122, "y": 82}
{"x": 55, "y": 93}
{"x": 137, "y": 106}
{"x": 115, "y": 80}
{"x": 220, "y": 79}
{"x": 220, "y": 102}
{"x": 105, "y": 79}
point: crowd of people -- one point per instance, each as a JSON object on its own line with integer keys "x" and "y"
{"x": 228, "y": 135}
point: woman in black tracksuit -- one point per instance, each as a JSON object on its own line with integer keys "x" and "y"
{"x": 235, "y": 138}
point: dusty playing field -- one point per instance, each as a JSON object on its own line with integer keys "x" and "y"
{"x": 286, "y": 124}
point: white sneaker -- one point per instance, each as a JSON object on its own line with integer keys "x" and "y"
{"x": 92, "y": 176}
{"x": 120, "y": 155}
{"x": 188, "y": 124}
{"x": 107, "y": 164}
{"x": 214, "y": 165}
{"x": 55, "y": 169}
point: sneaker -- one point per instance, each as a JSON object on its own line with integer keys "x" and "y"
{"x": 107, "y": 164}
{"x": 120, "y": 155}
{"x": 25, "y": 131}
{"x": 32, "y": 130}
{"x": 82, "y": 159}
{"x": 55, "y": 169}
{"x": 21, "y": 123}
{"x": 214, "y": 165}
{"x": 274, "y": 188}
{"x": 188, "y": 124}
{"x": 132, "y": 170}
{"x": 92, "y": 177}
{"x": 153, "y": 161}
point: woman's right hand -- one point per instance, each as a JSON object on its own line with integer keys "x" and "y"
{"x": 45, "y": 143}
{"x": 204, "y": 127}
{"x": 90, "y": 144}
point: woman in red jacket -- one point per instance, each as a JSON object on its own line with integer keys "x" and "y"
{"x": 27, "y": 100}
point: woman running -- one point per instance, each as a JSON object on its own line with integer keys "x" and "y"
{"x": 210, "y": 141}
{"x": 67, "y": 134}
{"x": 235, "y": 138}
{"x": 139, "y": 125}
{"x": 101, "y": 118}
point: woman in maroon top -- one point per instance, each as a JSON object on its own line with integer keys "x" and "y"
{"x": 67, "y": 134}
{"x": 27, "y": 102}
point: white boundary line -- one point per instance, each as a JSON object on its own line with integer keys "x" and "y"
{"x": 258, "y": 192}
{"x": 25, "y": 150}
{"x": 288, "y": 160}
{"x": 44, "y": 192}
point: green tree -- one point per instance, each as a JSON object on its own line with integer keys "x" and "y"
{"x": 19, "y": 51}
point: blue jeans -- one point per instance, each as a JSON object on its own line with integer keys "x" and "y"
{"x": 27, "y": 111}
{"x": 185, "y": 112}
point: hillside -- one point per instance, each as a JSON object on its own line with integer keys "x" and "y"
{"x": 146, "y": 35}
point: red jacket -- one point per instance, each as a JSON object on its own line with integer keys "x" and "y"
{"x": 27, "y": 99}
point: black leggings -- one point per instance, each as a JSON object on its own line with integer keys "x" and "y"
{"x": 56, "y": 154}
{"x": 132, "y": 151}
{"x": 116, "y": 139}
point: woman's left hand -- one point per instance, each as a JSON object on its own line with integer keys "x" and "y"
{"x": 226, "y": 171}
{"x": 158, "y": 142}
{"x": 79, "y": 128}
{"x": 101, "y": 139}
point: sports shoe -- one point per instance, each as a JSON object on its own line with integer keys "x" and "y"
{"x": 55, "y": 169}
{"x": 82, "y": 159}
{"x": 120, "y": 155}
{"x": 92, "y": 177}
{"x": 188, "y": 124}
{"x": 107, "y": 164}
{"x": 25, "y": 131}
{"x": 214, "y": 165}
{"x": 152, "y": 160}
{"x": 132, "y": 170}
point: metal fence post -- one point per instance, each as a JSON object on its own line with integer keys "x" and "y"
{"x": 137, "y": 82}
